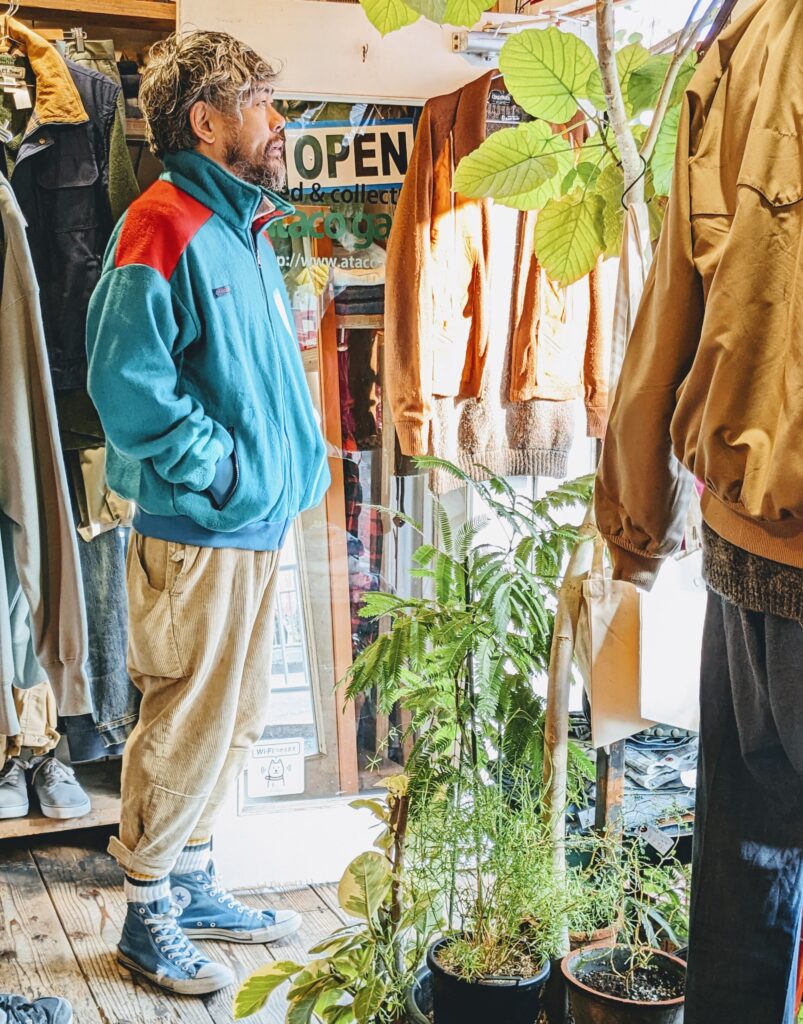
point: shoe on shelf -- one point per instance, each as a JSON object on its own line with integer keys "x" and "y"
{"x": 48, "y": 1010}
{"x": 153, "y": 945}
{"x": 59, "y": 792}
{"x": 210, "y": 912}
{"x": 13, "y": 792}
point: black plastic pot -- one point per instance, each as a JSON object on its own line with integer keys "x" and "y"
{"x": 418, "y": 999}
{"x": 507, "y": 999}
{"x": 592, "y": 1007}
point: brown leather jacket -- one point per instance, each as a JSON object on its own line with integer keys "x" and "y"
{"x": 436, "y": 302}
{"x": 712, "y": 383}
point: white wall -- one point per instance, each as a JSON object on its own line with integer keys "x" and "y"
{"x": 331, "y": 49}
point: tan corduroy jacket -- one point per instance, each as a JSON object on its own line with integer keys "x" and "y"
{"x": 713, "y": 375}
{"x": 436, "y": 302}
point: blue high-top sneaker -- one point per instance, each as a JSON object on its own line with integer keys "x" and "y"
{"x": 209, "y": 912}
{"x": 154, "y": 946}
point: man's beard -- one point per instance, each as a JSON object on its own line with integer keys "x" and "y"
{"x": 265, "y": 169}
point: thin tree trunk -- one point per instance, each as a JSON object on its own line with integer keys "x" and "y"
{"x": 556, "y": 727}
{"x": 614, "y": 101}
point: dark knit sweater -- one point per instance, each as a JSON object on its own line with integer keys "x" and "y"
{"x": 749, "y": 581}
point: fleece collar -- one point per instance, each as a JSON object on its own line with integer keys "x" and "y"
{"x": 235, "y": 200}
{"x": 57, "y": 99}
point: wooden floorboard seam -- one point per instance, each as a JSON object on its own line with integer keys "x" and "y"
{"x": 65, "y": 932}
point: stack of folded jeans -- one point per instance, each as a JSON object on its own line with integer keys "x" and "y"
{"x": 361, "y": 301}
{"x": 129, "y": 80}
{"x": 660, "y": 776}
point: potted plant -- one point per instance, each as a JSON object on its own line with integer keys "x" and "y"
{"x": 503, "y": 906}
{"x": 461, "y": 848}
{"x": 363, "y": 971}
{"x": 634, "y": 979}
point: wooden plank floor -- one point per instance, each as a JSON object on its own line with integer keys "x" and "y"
{"x": 61, "y": 911}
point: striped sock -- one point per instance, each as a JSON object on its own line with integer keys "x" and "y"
{"x": 194, "y": 857}
{"x": 146, "y": 890}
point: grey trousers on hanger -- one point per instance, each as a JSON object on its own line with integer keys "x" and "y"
{"x": 747, "y": 883}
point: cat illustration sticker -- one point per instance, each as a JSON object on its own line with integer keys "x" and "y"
{"x": 276, "y": 768}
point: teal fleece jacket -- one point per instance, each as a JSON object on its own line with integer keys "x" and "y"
{"x": 193, "y": 356}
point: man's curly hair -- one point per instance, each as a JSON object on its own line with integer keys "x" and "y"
{"x": 188, "y": 67}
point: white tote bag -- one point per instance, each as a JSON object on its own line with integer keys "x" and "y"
{"x": 639, "y": 653}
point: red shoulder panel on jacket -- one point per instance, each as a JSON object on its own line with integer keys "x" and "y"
{"x": 158, "y": 228}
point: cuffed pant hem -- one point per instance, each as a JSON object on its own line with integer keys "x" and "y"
{"x": 136, "y": 864}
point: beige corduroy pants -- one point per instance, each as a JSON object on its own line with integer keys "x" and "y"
{"x": 199, "y": 649}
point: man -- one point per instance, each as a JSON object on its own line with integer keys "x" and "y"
{"x": 713, "y": 384}
{"x": 195, "y": 370}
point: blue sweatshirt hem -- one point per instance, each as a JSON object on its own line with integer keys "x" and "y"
{"x": 183, "y": 530}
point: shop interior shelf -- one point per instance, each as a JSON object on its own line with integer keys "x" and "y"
{"x": 150, "y": 13}
{"x": 101, "y": 782}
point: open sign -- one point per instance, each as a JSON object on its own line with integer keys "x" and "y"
{"x": 330, "y": 154}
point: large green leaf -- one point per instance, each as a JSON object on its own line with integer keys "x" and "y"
{"x": 546, "y": 70}
{"x": 537, "y": 198}
{"x": 610, "y": 188}
{"x": 257, "y": 988}
{"x": 368, "y": 1000}
{"x": 663, "y": 159}
{"x": 509, "y": 162}
{"x": 389, "y": 15}
{"x": 465, "y": 12}
{"x": 569, "y": 236}
{"x": 433, "y": 10}
{"x": 628, "y": 61}
{"x": 365, "y": 885}
{"x": 646, "y": 82}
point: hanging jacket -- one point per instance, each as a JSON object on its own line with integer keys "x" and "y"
{"x": 42, "y": 619}
{"x": 193, "y": 356}
{"x": 61, "y": 181}
{"x": 437, "y": 318}
{"x": 712, "y": 381}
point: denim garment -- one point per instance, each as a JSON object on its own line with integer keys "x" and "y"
{"x": 747, "y": 889}
{"x": 115, "y": 700}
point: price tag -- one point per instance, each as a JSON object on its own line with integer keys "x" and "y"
{"x": 585, "y": 817}
{"x": 657, "y": 839}
{"x": 22, "y": 98}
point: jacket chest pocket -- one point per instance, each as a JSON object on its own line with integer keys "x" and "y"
{"x": 68, "y": 179}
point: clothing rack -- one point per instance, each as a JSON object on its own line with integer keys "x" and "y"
{"x": 132, "y": 24}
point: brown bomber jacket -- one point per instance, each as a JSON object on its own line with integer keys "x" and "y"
{"x": 436, "y": 299}
{"x": 712, "y": 382}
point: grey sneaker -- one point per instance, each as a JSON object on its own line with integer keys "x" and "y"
{"x": 13, "y": 792}
{"x": 59, "y": 792}
{"x": 48, "y": 1010}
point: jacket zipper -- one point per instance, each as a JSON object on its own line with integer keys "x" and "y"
{"x": 255, "y": 244}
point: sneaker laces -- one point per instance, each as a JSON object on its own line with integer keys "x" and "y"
{"x": 53, "y": 770}
{"x": 172, "y": 940}
{"x": 213, "y": 887}
{"x": 10, "y": 773}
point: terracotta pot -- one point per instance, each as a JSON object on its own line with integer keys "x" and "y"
{"x": 556, "y": 996}
{"x": 509, "y": 999}
{"x": 601, "y": 937}
{"x": 592, "y": 1007}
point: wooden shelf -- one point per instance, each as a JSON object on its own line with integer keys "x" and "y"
{"x": 102, "y": 784}
{"x": 135, "y": 129}
{"x": 359, "y": 322}
{"x": 145, "y": 13}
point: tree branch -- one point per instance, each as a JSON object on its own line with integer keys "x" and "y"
{"x": 628, "y": 151}
{"x": 686, "y": 40}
